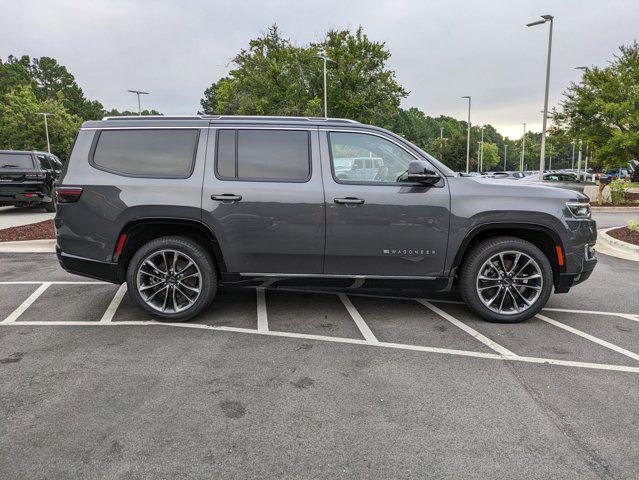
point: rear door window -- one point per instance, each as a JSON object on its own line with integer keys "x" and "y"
{"x": 158, "y": 153}
{"x": 263, "y": 155}
{"x": 10, "y": 161}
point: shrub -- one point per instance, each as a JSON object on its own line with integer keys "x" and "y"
{"x": 633, "y": 225}
{"x": 618, "y": 191}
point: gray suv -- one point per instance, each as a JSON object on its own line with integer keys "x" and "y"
{"x": 180, "y": 206}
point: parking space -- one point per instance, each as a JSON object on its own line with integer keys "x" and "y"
{"x": 287, "y": 384}
{"x": 574, "y": 338}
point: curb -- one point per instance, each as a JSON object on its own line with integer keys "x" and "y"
{"x": 614, "y": 209}
{"x": 616, "y": 248}
{"x": 28, "y": 246}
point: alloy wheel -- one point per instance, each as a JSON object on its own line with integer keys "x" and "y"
{"x": 509, "y": 282}
{"x": 169, "y": 281}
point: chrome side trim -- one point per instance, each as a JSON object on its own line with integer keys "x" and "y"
{"x": 77, "y": 257}
{"x": 323, "y": 275}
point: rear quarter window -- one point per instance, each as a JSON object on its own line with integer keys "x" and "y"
{"x": 158, "y": 153}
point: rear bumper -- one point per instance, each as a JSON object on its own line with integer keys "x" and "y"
{"x": 13, "y": 195}
{"x": 108, "y": 272}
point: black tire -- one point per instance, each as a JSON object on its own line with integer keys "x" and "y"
{"x": 481, "y": 253}
{"x": 198, "y": 254}
{"x": 50, "y": 206}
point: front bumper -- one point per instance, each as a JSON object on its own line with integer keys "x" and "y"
{"x": 580, "y": 255}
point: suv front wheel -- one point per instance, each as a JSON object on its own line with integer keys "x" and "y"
{"x": 506, "y": 279}
{"x": 172, "y": 278}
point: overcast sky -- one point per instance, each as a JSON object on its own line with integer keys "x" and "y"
{"x": 440, "y": 49}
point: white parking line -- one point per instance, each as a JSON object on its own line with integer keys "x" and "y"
{"x": 469, "y": 330}
{"x": 27, "y": 303}
{"x": 366, "y": 332}
{"x": 355, "y": 341}
{"x": 629, "y": 316}
{"x": 587, "y": 336}
{"x": 60, "y": 282}
{"x": 115, "y": 303}
{"x": 262, "y": 318}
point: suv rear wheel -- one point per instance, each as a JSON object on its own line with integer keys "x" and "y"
{"x": 506, "y": 279}
{"x": 172, "y": 278}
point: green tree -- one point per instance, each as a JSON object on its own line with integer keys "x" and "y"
{"x": 128, "y": 113}
{"x": 48, "y": 79}
{"x": 22, "y": 128}
{"x": 491, "y": 157}
{"x": 603, "y": 109}
{"x": 274, "y": 77}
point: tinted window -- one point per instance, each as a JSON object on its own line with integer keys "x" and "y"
{"x": 149, "y": 153}
{"x": 15, "y": 160}
{"x": 44, "y": 162}
{"x": 265, "y": 155}
{"x": 55, "y": 163}
{"x": 372, "y": 158}
{"x": 226, "y": 153}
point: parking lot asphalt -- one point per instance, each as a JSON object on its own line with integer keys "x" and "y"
{"x": 313, "y": 385}
{"x": 14, "y": 217}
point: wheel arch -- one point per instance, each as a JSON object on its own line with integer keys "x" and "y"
{"x": 142, "y": 230}
{"x": 541, "y": 236}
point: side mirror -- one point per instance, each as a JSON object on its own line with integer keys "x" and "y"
{"x": 420, "y": 172}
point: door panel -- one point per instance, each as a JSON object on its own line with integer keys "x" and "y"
{"x": 274, "y": 226}
{"x": 382, "y": 228}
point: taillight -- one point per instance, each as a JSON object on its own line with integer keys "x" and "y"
{"x": 68, "y": 194}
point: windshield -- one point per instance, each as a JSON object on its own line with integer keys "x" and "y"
{"x": 15, "y": 160}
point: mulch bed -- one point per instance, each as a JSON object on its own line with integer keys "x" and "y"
{"x": 625, "y": 234}
{"x": 35, "y": 231}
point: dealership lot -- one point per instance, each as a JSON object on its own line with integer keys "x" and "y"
{"x": 305, "y": 385}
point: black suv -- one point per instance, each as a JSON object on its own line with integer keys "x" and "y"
{"x": 176, "y": 206}
{"x": 26, "y": 178}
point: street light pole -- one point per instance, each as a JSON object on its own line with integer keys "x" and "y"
{"x": 481, "y": 150}
{"x": 46, "y": 128}
{"x": 542, "y": 153}
{"x": 505, "y": 155}
{"x": 572, "y": 164}
{"x": 478, "y": 155}
{"x": 579, "y": 160}
{"x": 523, "y": 150}
{"x": 138, "y": 93}
{"x": 325, "y": 59}
{"x": 468, "y": 136}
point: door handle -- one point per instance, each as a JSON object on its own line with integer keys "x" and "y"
{"x": 227, "y": 198}
{"x": 349, "y": 201}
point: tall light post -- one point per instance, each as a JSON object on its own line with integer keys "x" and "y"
{"x": 323, "y": 57}
{"x": 442, "y": 140}
{"x": 523, "y": 150}
{"x": 586, "y": 161}
{"x": 468, "y": 136}
{"x": 542, "y": 153}
{"x": 138, "y": 93}
{"x": 478, "y": 155}
{"x": 505, "y": 155}
{"x": 481, "y": 150}
{"x": 46, "y": 128}
{"x": 579, "y": 159}
{"x": 572, "y": 164}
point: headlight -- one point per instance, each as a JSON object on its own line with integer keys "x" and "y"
{"x": 579, "y": 209}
